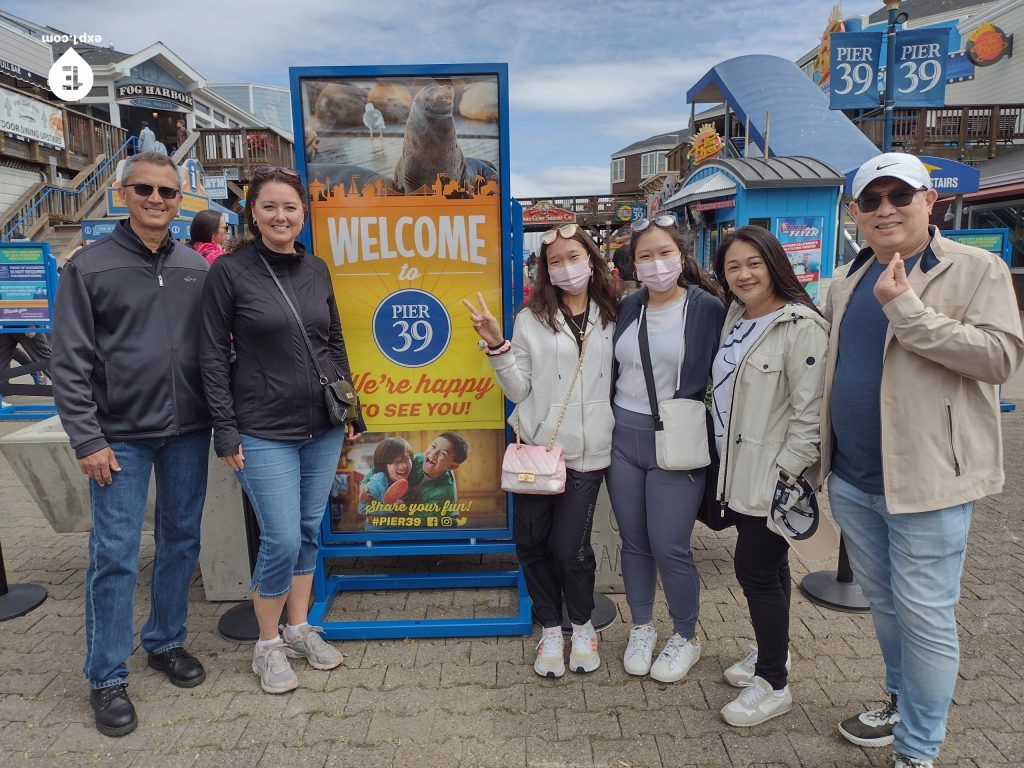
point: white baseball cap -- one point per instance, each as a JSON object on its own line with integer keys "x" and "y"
{"x": 896, "y": 165}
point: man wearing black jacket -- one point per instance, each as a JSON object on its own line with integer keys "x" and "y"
{"x": 130, "y": 397}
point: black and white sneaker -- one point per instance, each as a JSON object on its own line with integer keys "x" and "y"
{"x": 872, "y": 728}
{"x": 899, "y": 760}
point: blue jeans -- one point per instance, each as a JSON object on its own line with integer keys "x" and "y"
{"x": 118, "y": 509}
{"x": 288, "y": 482}
{"x": 909, "y": 568}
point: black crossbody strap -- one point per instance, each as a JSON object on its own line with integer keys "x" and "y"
{"x": 298, "y": 319}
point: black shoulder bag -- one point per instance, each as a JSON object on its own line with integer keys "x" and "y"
{"x": 339, "y": 396}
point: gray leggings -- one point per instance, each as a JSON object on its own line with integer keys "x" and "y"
{"x": 655, "y": 510}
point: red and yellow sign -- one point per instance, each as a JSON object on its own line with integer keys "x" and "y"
{"x": 821, "y": 64}
{"x": 545, "y": 213}
{"x": 705, "y": 145}
{"x": 988, "y": 44}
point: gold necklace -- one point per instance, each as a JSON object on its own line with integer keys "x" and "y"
{"x": 581, "y": 331}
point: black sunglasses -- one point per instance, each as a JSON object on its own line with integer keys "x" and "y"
{"x": 146, "y": 190}
{"x": 665, "y": 221}
{"x": 270, "y": 170}
{"x": 901, "y": 198}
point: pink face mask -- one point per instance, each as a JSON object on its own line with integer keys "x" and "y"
{"x": 660, "y": 274}
{"x": 572, "y": 279}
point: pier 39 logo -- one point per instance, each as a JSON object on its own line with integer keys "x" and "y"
{"x": 70, "y": 78}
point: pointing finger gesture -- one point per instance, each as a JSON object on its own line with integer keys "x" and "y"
{"x": 483, "y": 321}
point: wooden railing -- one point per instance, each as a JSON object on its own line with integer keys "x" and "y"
{"x": 43, "y": 204}
{"x": 975, "y": 129}
{"x": 242, "y": 148}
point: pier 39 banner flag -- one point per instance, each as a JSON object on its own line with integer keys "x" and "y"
{"x": 406, "y": 170}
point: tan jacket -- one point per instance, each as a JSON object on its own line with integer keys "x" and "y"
{"x": 951, "y": 340}
{"x": 773, "y": 418}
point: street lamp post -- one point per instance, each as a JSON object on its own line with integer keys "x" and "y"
{"x": 893, "y": 7}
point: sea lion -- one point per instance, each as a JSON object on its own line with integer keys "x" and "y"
{"x": 431, "y": 146}
{"x": 340, "y": 104}
{"x": 480, "y": 101}
{"x": 393, "y": 100}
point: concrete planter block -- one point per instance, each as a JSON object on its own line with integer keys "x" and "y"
{"x": 42, "y": 458}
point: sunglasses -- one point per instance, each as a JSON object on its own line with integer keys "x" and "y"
{"x": 901, "y": 198}
{"x": 665, "y": 221}
{"x": 794, "y": 508}
{"x": 566, "y": 231}
{"x": 270, "y": 170}
{"x": 146, "y": 190}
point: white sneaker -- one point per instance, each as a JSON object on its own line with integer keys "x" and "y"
{"x": 273, "y": 669}
{"x": 741, "y": 674}
{"x": 550, "y": 654}
{"x": 757, "y": 703}
{"x": 640, "y": 649}
{"x": 583, "y": 656}
{"x": 675, "y": 659}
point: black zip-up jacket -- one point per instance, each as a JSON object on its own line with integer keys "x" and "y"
{"x": 126, "y": 330}
{"x": 271, "y": 389}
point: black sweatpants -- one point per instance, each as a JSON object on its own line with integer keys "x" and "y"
{"x": 762, "y": 570}
{"x": 552, "y": 537}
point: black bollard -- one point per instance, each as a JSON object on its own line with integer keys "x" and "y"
{"x": 835, "y": 589}
{"x": 17, "y": 599}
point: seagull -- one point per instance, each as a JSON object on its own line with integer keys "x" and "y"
{"x": 373, "y": 119}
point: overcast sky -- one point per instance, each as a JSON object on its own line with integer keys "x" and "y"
{"x": 586, "y": 77}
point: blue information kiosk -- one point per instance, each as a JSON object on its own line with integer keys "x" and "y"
{"x": 795, "y": 198}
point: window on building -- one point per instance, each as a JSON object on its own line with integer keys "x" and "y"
{"x": 618, "y": 170}
{"x": 219, "y": 117}
{"x": 652, "y": 163}
{"x": 200, "y": 107}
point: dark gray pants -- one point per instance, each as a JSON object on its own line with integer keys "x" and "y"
{"x": 655, "y": 510}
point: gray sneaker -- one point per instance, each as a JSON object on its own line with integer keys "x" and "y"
{"x": 275, "y": 673}
{"x": 310, "y": 646}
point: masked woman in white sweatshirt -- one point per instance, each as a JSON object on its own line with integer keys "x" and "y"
{"x": 567, "y": 323}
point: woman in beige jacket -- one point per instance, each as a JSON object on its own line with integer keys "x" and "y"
{"x": 767, "y": 379}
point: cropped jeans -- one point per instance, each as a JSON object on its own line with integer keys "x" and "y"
{"x": 180, "y": 464}
{"x": 288, "y": 482}
{"x": 909, "y": 567}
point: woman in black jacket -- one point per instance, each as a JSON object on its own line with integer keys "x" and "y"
{"x": 270, "y": 422}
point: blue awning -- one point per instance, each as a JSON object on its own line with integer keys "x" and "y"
{"x": 801, "y": 122}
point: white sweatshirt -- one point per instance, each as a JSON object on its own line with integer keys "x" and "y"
{"x": 535, "y": 375}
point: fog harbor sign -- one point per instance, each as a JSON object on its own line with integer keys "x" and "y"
{"x": 140, "y": 92}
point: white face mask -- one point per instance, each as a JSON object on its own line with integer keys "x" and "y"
{"x": 660, "y": 274}
{"x": 572, "y": 279}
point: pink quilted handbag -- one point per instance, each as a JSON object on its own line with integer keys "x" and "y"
{"x": 538, "y": 469}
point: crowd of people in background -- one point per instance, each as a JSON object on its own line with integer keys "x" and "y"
{"x": 887, "y": 395}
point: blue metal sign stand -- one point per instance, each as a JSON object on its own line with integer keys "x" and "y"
{"x": 461, "y": 541}
{"x": 30, "y": 411}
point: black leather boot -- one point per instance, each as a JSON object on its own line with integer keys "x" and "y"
{"x": 181, "y": 667}
{"x": 115, "y": 714}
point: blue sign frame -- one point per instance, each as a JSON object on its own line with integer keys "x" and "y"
{"x": 454, "y": 541}
{"x": 32, "y": 411}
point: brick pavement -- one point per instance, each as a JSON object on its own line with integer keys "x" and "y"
{"x": 477, "y": 702}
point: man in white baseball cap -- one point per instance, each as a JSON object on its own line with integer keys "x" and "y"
{"x": 923, "y": 331}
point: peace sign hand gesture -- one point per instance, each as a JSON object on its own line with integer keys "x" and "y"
{"x": 484, "y": 322}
